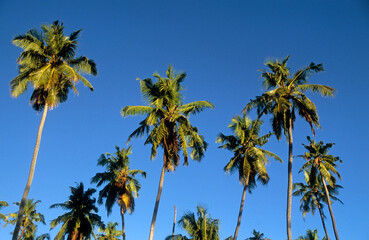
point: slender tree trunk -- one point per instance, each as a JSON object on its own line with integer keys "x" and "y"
{"x": 174, "y": 221}
{"x": 289, "y": 185}
{"x": 321, "y": 216}
{"x": 123, "y": 225}
{"x": 330, "y": 210}
{"x": 30, "y": 175}
{"x": 240, "y": 212}
{"x": 152, "y": 228}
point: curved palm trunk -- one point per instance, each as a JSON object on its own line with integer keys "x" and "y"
{"x": 330, "y": 210}
{"x": 123, "y": 225}
{"x": 240, "y": 212}
{"x": 321, "y": 216}
{"x": 152, "y": 228}
{"x": 289, "y": 184}
{"x": 30, "y": 175}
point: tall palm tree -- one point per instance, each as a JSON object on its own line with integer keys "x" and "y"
{"x": 167, "y": 124}
{"x": 310, "y": 235}
{"x": 284, "y": 96}
{"x": 109, "y": 232}
{"x": 81, "y": 218}
{"x": 122, "y": 186}
{"x": 202, "y": 228}
{"x": 249, "y": 158}
{"x": 3, "y": 204}
{"x": 319, "y": 162}
{"x": 31, "y": 216}
{"x": 47, "y": 63}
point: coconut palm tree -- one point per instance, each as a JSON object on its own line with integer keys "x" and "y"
{"x": 320, "y": 163}
{"x": 167, "y": 124}
{"x": 310, "y": 235}
{"x": 122, "y": 186}
{"x": 31, "y": 216}
{"x": 257, "y": 236}
{"x": 81, "y": 218}
{"x": 313, "y": 196}
{"x": 284, "y": 97}
{"x": 249, "y": 158}
{"x": 109, "y": 232}
{"x": 48, "y": 64}
{"x": 3, "y": 204}
{"x": 202, "y": 228}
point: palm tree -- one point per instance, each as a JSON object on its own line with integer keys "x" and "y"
{"x": 110, "y": 232}
{"x": 319, "y": 162}
{"x": 31, "y": 216}
{"x": 167, "y": 124}
{"x": 121, "y": 187}
{"x": 310, "y": 235}
{"x": 48, "y": 63}
{"x": 79, "y": 221}
{"x": 257, "y": 236}
{"x": 285, "y": 94}
{"x": 3, "y": 204}
{"x": 313, "y": 195}
{"x": 202, "y": 228}
{"x": 249, "y": 158}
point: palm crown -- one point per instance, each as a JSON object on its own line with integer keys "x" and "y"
{"x": 122, "y": 186}
{"x": 109, "y": 232}
{"x": 249, "y": 158}
{"x": 288, "y": 94}
{"x": 80, "y": 219}
{"x": 48, "y": 63}
{"x": 167, "y": 118}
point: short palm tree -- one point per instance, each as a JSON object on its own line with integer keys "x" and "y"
{"x": 122, "y": 186}
{"x": 167, "y": 124}
{"x": 78, "y": 223}
{"x": 310, "y": 235}
{"x": 3, "y": 204}
{"x": 202, "y": 228}
{"x": 249, "y": 158}
{"x": 320, "y": 163}
{"x": 284, "y": 97}
{"x": 257, "y": 236}
{"x": 109, "y": 232}
{"x": 313, "y": 196}
{"x": 31, "y": 216}
{"x": 49, "y": 65}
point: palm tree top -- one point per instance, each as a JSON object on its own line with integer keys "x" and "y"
{"x": 286, "y": 92}
{"x": 49, "y": 64}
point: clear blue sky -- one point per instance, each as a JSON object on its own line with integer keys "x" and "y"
{"x": 221, "y": 45}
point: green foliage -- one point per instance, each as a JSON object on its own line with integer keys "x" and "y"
{"x": 3, "y": 204}
{"x": 202, "y": 228}
{"x": 109, "y": 232}
{"x": 285, "y": 94}
{"x": 48, "y": 63}
{"x": 249, "y": 158}
{"x": 167, "y": 119}
{"x": 257, "y": 236}
{"x": 30, "y": 218}
{"x": 122, "y": 186}
{"x": 310, "y": 235}
{"x": 80, "y": 219}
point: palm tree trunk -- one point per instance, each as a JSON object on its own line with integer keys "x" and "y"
{"x": 30, "y": 175}
{"x": 330, "y": 209}
{"x": 123, "y": 225}
{"x": 321, "y": 216}
{"x": 289, "y": 184}
{"x": 152, "y": 228}
{"x": 174, "y": 221}
{"x": 20, "y": 237}
{"x": 240, "y": 212}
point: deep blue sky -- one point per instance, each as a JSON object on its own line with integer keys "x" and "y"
{"x": 220, "y": 45}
